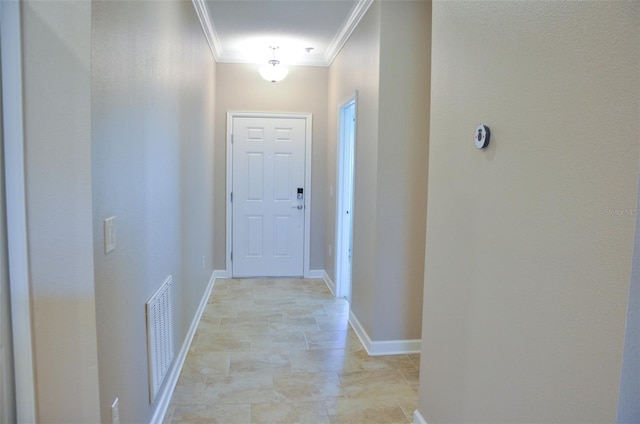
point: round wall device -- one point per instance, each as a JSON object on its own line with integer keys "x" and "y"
{"x": 481, "y": 136}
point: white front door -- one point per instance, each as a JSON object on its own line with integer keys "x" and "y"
{"x": 268, "y": 190}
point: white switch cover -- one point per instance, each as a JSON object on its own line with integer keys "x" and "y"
{"x": 109, "y": 234}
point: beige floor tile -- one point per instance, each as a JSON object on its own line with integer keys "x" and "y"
{"x": 208, "y": 323}
{"x": 415, "y": 358}
{"x": 408, "y": 405}
{"x": 188, "y": 394}
{"x": 311, "y": 295}
{"x": 220, "y": 310}
{"x": 319, "y": 360}
{"x": 293, "y": 283}
{"x": 278, "y": 325}
{"x": 412, "y": 377}
{"x": 212, "y": 414}
{"x": 349, "y": 411}
{"x": 306, "y": 386}
{"x": 239, "y": 388}
{"x": 229, "y": 295}
{"x": 259, "y": 362}
{"x": 327, "y": 339}
{"x": 244, "y": 326}
{"x": 264, "y": 312}
{"x": 353, "y": 342}
{"x": 316, "y": 287}
{"x": 290, "y": 413}
{"x": 303, "y": 310}
{"x": 190, "y": 375}
{"x": 276, "y": 297}
{"x": 339, "y": 307}
{"x": 383, "y": 384}
{"x": 223, "y": 283}
{"x": 333, "y": 323}
{"x": 221, "y": 342}
{"x": 278, "y": 342}
{"x": 199, "y": 365}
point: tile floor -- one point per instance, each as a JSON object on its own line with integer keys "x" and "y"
{"x": 282, "y": 351}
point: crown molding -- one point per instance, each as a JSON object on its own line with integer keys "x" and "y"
{"x": 350, "y": 24}
{"x": 229, "y": 58}
{"x": 208, "y": 28}
{"x": 347, "y": 29}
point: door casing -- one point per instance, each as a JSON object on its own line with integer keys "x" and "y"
{"x": 16, "y": 215}
{"x": 307, "y": 182}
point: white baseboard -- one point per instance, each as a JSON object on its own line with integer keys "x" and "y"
{"x": 329, "y": 282}
{"x": 417, "y": 418}
{"x": 163, "y": 398}
{"x": 385, "y": 347}
{"x": 360, "y": 332}
{"x": 314, "y": 273}
{"x": 395, "y": 347}
{"x": 221, "y": 273}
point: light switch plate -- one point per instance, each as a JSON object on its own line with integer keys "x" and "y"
{"x": 109, "y": 234}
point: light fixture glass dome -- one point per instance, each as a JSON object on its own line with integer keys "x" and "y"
{"x": 273, "y": 71}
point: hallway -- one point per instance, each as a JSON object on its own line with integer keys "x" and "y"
{"x": 282, "y": 351}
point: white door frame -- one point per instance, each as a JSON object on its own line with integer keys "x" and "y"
{"x": 16, "y": 210}
{"x": 307, "y": 180}
{"x": 343, "y": 281}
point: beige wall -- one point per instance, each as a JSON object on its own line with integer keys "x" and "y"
{"x": 528, "y": 255}
{"x": 387, "y": 61}
{"x": 152, "y": 115}
{"x": 405, "y": 41}
{"x": 240, "y": 88}
{"x": 357, "y": 67}
{"x": 119, "y": 111}
{"x": 57, "y": 113}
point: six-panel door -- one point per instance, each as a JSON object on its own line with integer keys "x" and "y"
{"x": 268, "y": 197}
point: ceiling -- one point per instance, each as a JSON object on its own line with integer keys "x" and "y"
{"x": 242, "y": 31}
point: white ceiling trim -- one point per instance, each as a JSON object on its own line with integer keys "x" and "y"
{"x": 208, "y": 28}
{"x": 332, "y": 51}
{"x": 347, "y": 29}
{"x": 230, "y": 58}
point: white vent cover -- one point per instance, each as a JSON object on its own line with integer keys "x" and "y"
{"x": 159, "y": 335}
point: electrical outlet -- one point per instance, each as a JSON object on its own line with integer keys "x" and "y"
{"x": 115, "y": 412}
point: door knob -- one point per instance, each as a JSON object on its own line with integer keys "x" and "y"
{"x": 299, "y": 207}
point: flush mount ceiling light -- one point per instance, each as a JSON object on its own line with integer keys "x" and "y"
{"x": 273, "y": 72}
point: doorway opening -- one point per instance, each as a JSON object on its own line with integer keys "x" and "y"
{"x": 345, "y": 195}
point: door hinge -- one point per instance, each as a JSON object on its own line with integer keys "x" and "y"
{"x": 231, "y": 138}
{"x": 231, "y": 256}
{"x": 232, "y": 197}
